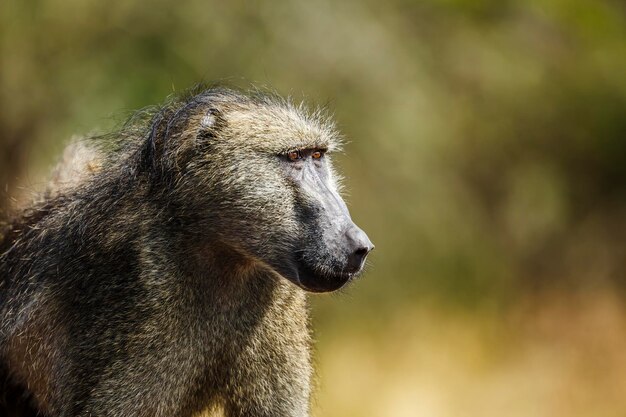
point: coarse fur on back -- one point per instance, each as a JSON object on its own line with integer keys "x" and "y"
{"x": 163, "y": 272}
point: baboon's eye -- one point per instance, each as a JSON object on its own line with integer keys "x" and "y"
{"x": 317, "y": 154}
{"x": 294, "y": 155}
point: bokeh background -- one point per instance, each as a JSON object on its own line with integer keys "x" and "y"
{"x": 486, "y": 160}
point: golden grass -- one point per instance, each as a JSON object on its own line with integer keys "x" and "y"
{"x": 550, "y": 357}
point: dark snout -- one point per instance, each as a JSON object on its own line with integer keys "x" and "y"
{"x": 336, "y": 248}
{"x": 358, "y": 246}
{"x": 347, "y": 252}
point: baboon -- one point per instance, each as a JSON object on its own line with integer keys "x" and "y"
{"x": 168, "y": 275}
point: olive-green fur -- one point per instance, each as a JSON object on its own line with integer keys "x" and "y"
{"x": 139, "y": 283}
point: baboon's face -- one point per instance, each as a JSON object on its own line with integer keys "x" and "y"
{"x": 280, "y": 201}
{"x": 330, "y": 249}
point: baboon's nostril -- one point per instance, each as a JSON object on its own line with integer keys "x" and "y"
{"x": 358, "y": 240}
{"x": 356, "y": 259}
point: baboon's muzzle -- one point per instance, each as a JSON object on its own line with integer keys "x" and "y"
{"x": 348, "y": 262}
{"x": 341, "y": 246}
{"x": 332, "y": 249}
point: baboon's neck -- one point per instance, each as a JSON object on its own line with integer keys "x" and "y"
{"x": 225, "y": 275}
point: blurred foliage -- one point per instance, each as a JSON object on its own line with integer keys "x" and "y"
{"x": 488, "y": 146}
{"x": 487, "y": 154}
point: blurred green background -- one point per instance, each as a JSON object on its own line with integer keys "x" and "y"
{"x": 486, "y": 160}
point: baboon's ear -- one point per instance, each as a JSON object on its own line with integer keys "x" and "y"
{"x": 209, "y": 119}
{"x": 211, "y": 123}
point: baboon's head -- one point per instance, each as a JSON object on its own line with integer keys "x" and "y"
{"x": 257, "y": 174}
